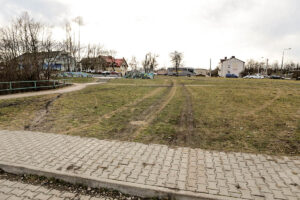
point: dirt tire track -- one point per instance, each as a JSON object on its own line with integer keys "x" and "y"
{"x": 118, "y": 110}
{"x": 41, "y": 114}
{"x": 187, "y": 122}
{"x": 265, "y": 105}
{"x": 152, "y": 93}
{"x": 197, "y": 122}
{"x": 151, "y": 116}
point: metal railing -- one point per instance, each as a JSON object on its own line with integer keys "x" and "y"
{"x": 26, "y": 85}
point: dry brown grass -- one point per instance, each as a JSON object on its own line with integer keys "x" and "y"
{"x": 258, "y": 116}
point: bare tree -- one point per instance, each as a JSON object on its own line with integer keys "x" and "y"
{"x": 133, "y": 63}
{"x": 69, "y": 45}
{"x": 51, "y": 51}
{"x": 176, "y": 58}
{"x": 20, "y": 45}
{"x": 150, "y": 62}
{"x": 93, "y": 59}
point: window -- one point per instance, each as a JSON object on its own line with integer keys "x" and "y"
{"x": 228, "y": 72}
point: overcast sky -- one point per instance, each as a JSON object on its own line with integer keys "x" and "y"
{"x": 201, "y": 29}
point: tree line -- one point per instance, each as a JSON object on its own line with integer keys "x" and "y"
{"x": 27, "y": 50}
{"x": 254, "y": 67}
{"x": 149, "y": 63}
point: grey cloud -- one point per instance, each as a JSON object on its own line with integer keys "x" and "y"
{"x": 280, "y": 21}
{"x": 50, "y": 12}
{"x": 222, "y": 11}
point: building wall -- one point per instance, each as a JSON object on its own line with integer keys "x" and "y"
{"x": 62, "y": 60}
{"x": 231, "y": 66}
{"x": 121, "y": 69}
{"x": 203, "y": 72}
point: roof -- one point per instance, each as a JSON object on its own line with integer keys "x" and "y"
{"x": 233, "y": 57}
{"x": 41, "y": 55}
{"x": 91, "y": 60}
{"x": 119, "y": 61}
{"x": 108, "y": 59}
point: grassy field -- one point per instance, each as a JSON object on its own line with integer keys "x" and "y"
{"x": 258, "y": 116}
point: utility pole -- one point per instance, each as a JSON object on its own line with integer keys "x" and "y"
{"x": 210, "y": 67}
{"x": 267, "y": 65}
{"x": 79, "y": 21}
{"x": 283, "y": 57}
{"x": 261, "y": 65}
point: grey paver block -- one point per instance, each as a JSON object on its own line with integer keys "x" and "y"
{"x": 42, "y": 196}
{"x": 239, "y": 175}
{"x": 4, "y": 196}
{"x": 29, "y": 194}
{"x": 17, "y": 192}
{"x": 15, "y": 198}
{"x": 5, "y": 189}
{"x": 57, "y": 198}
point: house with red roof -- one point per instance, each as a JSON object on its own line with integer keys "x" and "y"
{"x": 105, "y": 63}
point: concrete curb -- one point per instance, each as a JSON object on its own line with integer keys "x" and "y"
{"x": 124, "y": 187}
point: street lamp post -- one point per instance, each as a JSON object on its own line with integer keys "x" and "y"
{"x": 283, "y": 56}
{"x": 267, "y": 65}
{"x": 261, "y": 65}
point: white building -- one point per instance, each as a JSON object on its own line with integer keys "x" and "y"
{"x": 201, "y": 72}
{"x": 56, "y": 60}
{"x": 60, "y": 60}
{"x": 231, "y": 66}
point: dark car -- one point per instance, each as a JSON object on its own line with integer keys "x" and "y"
{"x": 231, "y": 76}
{"x": 275, "y": 77}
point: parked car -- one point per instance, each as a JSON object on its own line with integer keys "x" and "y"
{"x": 110, "y": 74}
{"x": 275, "y": 77}
{"x": 231, "y": 76}
{"x": 256, "y": 76}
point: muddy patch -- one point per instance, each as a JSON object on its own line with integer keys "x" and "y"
{"x": 186, "y": 124}
{"x": 41, "y": 115}
{"x": 5, "y": 104}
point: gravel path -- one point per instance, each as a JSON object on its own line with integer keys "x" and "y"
{"x": 151, "y": 170}
{"x": 74, "y": 87}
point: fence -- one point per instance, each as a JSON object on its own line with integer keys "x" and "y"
{"x": 32, "y": 85}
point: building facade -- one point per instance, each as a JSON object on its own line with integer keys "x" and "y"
{"x": 56, "y": 60}
{"x": 231, "y": 66}
{"x": 201, "y": 72}
{"x": 104, "y": 63}
{"x": 61, "y": 61}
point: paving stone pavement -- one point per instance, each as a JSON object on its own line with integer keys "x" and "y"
{"x": 195, "y": 172}
{"x": 14, "y": 190}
